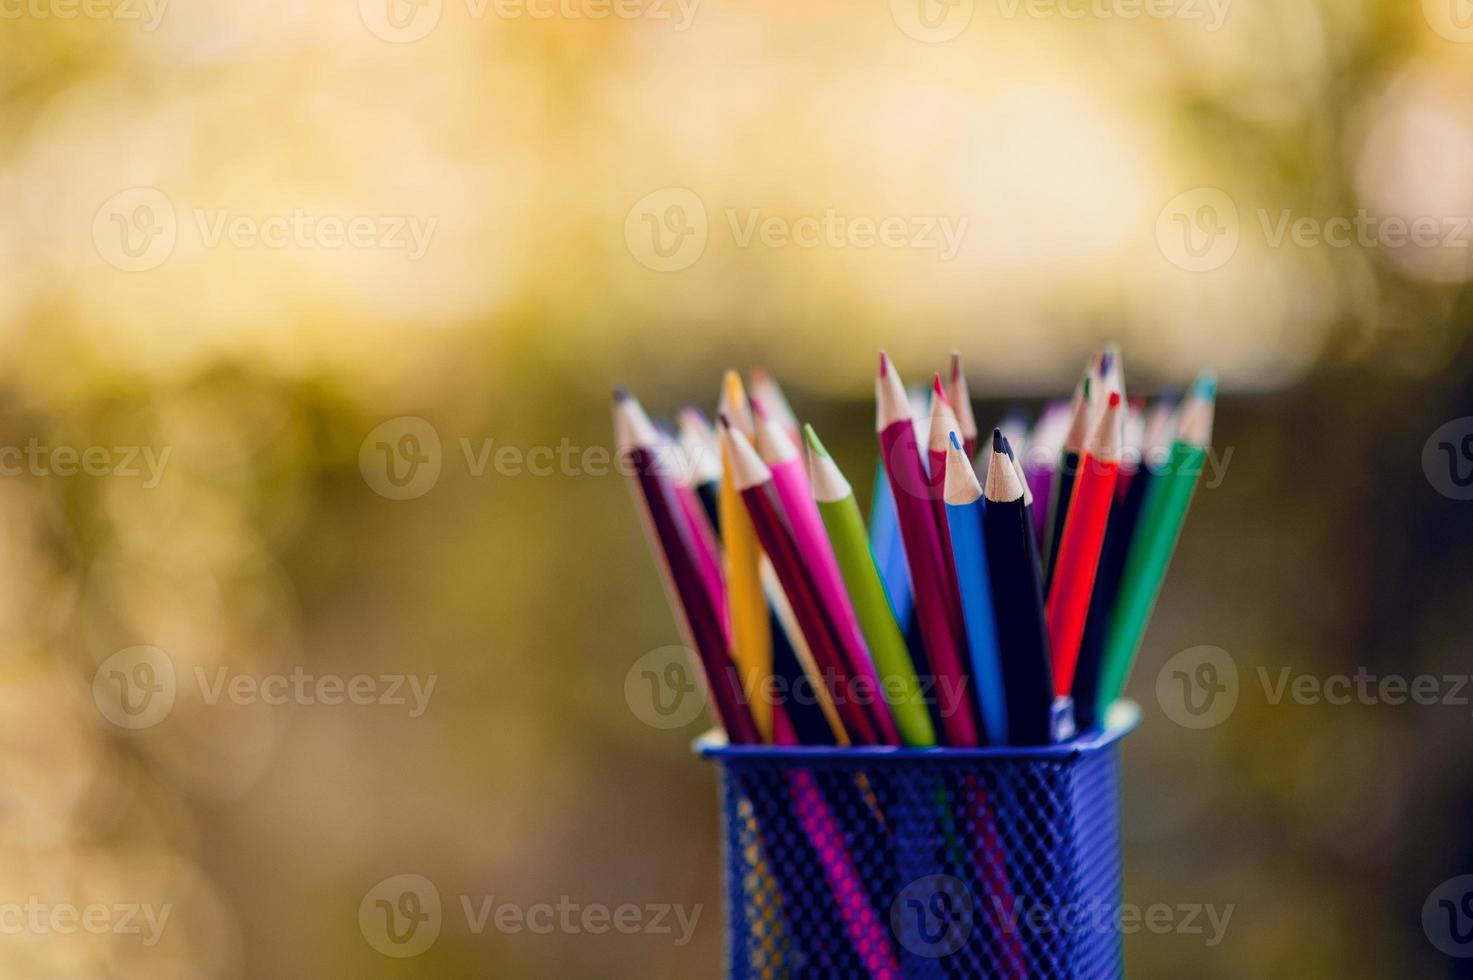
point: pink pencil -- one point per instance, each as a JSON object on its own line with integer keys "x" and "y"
{"x": 708, "y": 553}
{"x": 790, "y": 479}
{"x": 911, "y": 489}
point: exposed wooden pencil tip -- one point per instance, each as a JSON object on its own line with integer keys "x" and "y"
{"x": 997, "y": 440}
{"x": 956, "y": 364}
{"x": 939, "y": 390}
{"x": 884, "y": 363}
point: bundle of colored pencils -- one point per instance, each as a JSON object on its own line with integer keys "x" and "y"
{"x": 998, "y": 596}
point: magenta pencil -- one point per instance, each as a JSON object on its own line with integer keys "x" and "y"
{"x": 790, "y": 480}
{"x": 866, "y": 932}
{"x": 671, "y": 539}
{"x": 911, "y": 489}
{"x": 754, "y": 481}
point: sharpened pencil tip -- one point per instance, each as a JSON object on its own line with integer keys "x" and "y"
{"x": 956, "y": 443}
{"x": 724, "y": 420}
{"x": 1114, "y": 398}
{"x": 757, "y": 407}
{"x": 1206, "y": 385}
{"x": 884, "y": 363}
{"x": 813, "y": 442}
{"x": 938, "y": 389}
{"x": 956, "y": 365}
{"x": 621, "y": 394}
{"x": 1105, "y": 357}
{"x": 1086, "y": 389}
{"x": 997, "y": 440}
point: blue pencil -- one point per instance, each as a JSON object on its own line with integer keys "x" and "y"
{"x": 969, "y": 554}
{"x": 889, "y": 549}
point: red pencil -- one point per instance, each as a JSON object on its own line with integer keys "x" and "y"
{"x": 675, "y": 547}
{"x": 923, "y": 554}
{"x": 754, "y": 481}
{"x": 1079, "y": 544}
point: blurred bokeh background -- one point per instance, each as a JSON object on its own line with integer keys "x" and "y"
{"x": 245, "y": 241}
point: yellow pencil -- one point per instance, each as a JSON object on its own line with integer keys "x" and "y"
{"x": 751, "y": 631}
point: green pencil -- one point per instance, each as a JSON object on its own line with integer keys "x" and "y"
{"x": 840, "y": 513}
{"x": 1162, "y": 514}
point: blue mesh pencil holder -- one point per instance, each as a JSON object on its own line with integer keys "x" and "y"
{"x": 889, "y": 862}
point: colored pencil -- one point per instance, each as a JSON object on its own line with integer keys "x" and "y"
{"x": 766, "y": 390}
{"x": 751, "y": 626}
{"x": 908, "y": 483}
{"x": 1063, "y": 488}
{"x": 845, "y": 527}
{"x": 790, "y": 480}
{"x": 754, "y": 480}
{"x": 969, "y": 554}
{"x": 1154, "y": 445}
{"x": 699, "y": 442}
{"x": 1162, "y": 514}
{"x": 889, "y": 550}
{"x": 1081, "y": 540}
{"x": 1040, "y": 457}
{"x": 960, "y": 397}
{"x": 1017, "y": 602}
{"x": 637, "y": 442}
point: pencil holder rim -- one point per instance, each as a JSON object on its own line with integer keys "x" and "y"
{"x": 713, "y": 745}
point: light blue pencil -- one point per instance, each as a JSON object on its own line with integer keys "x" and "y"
{"x": 964, "y": 518}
